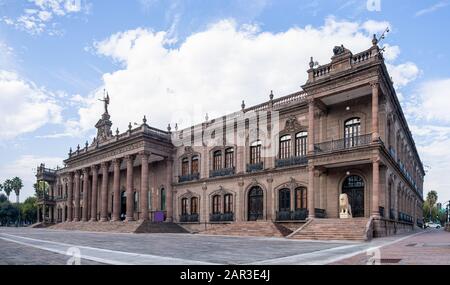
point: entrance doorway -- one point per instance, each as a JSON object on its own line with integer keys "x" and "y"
{"x": 255, "y": 204}
{"x": 354, "y": 188}
{"x": 123, "y": 205}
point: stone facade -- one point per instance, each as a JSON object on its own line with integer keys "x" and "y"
{"x": 287, "y": 159}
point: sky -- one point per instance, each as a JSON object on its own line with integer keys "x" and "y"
{"x": 174, "y": 61}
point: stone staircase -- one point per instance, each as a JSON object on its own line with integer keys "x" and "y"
{"x": 258, "y": 228}
{"x": 150, "y": 227}
{"x": 356, "y": 229}
{"x": 115, "y": 227}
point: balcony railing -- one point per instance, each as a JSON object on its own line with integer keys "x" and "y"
{"x": 343, "y": 144}
{"x": 405, "y": 218}
{"x": 188, "y": 177}
{"x": 296, "y": 160}
{"x": 45, "y": 197}
{"x": 221, "y": 172}
{"x": 189, "y": 218}
{"x": 221, "y": 217}
{"x": 255, "y": 167}
{"x": 297, "y": 215}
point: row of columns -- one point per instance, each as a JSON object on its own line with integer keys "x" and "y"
{"x": 73, "y": 192}
{"x": 375, "y": 161}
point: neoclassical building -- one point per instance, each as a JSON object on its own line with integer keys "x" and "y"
{"x": 287, "y": 159}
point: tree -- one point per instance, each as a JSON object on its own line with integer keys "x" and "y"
{"x": 41, "y": 188}
{"x": 29, "y": 210}
{"x": 431, "y": 200}
{"x": 3, "y": 198}
{"x": 1, "y": 187}
{"x": 8, "y": 187}
{"x": 17, "y": 185}
{"x": 8, "y": 213}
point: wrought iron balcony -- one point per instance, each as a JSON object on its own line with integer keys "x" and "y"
{"x": 188, "y": 177}
{"x": 61, "y": 198}
{"x": 221, "y": 172}
{"x": 297, "y": 215}
{"x": 221, "y": 217}
{"x": 405, "y": 218}
{"x": 255, "y": 167}
{"x": 296, "y": 160}
{"x": 45, "y": 197}
{"x": 343, "y": 144}
{"x": 189, "y": 218}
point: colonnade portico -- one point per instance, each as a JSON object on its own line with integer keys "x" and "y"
{"x": 87, "y": 178}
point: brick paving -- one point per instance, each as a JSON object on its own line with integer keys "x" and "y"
{"x": 429, "y": 248}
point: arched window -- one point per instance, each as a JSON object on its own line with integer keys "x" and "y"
{"x": 301, "y": 144}
{"x": 217, "y": 160}
{"x": 195, "y": 164}
{"x": 163, "y": 199}
{"x": 184, "y": 206}
{"x": 194, "y": 205}
{"x": 185, "y": 166}
{"x": 301, "y": 198}
{"x": 285, "y": 147}
{"x": 216, "y": 204}
{"x": 284, "y": 200}
{"x": 255, "y": 152}
{"x": 229, "y": 157}
{"x": 227, "y": 204}
{"x": 352, "y": 131}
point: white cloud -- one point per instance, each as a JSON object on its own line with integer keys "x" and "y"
{"x": 212, "y": 70}
{"x": 432, "y": 8}
{"x": 24, "y": 107}
{"x": 375, "y": 27}
{"x": 37, "y": 18}
{"x": 403, "y": 74}
{"x": 25, "y": 168}
{"x": 433, "y": 100}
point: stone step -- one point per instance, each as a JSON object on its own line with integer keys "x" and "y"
{"x": 334, "y": 229}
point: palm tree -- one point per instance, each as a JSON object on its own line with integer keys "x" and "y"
{"x": 17, "y": 185}
{"x": 1, "y": 187}
{"x": 8, "y": 187}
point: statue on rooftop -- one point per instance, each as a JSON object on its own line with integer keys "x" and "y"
{"x": 105, "y": 100}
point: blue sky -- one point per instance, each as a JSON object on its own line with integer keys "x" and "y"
{"x": 56, "y": 56}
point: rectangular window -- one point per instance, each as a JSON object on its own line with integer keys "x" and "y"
{"x": 195, "y": 168}
{"x": 194, "y": 205}
{"x": 255, "y": 153}
{"x": 217, "y": 163}
{"x": 229, "y": 158}
{"x": 184, "y": 206}
{"x": 185, "y": 167}
{"x": 301, "y": 144}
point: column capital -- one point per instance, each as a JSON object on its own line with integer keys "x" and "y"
{"x": 117, "y": 161}
{"x": 145, "y": 153}
{"x": 129, "y": 157}
{"x": 94, "y": 168}
{"x": 86, "y": 170}
{"x": 310, "y": 101}
{"x": 76, "y": 173}
{"x": 104, "y": 165}
{"x": 374, "y": 84}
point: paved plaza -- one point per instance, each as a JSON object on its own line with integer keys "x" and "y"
{"x": 44, "y": 246}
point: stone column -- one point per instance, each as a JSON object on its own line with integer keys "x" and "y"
{"x": 144, "y": 185}
{"x": 205, "y": 213}
{"x": 311, "y": 126}
{"x": 311, "y": 207}
{"x": 94, "y": 193}
{"x": 169, "y": 199}
{"x": 375, "y": 132}
{"x": 116, "y": 190}
{"x": 130, "y": 210}
{"x": 376, "y": 187}
{"x": 69, "y": 198}
{"x": 76, "y": 217}
{"x": 240, "y": 197}
{"x": 43, "y": 213}
{"x": 270, "y": 198}
{"x": 85, "y": 194}
{"x": 104, "y": 193}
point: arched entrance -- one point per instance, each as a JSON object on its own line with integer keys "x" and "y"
{"x": 123, "y": 205}
{"x": 255, "y": 204}
{"x": 353, "y": 186}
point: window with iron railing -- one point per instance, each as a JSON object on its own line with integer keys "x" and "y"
{"x": 255, "y": 152}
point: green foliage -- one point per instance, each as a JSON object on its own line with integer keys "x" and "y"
{"x": 17, "y": 185}
{"x": 3, "y": 198}
{"x": 28, "y": 210}
{"x": 8, "y": 187}
{"x": 432, "y": 198}
{"x": 9, "y": 213}
{"x": 40, "y": 188}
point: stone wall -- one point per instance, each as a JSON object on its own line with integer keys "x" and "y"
{"x": 384, "y": 227}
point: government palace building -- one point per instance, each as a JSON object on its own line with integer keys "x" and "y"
{"x": 275, "y": 169}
